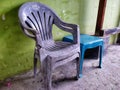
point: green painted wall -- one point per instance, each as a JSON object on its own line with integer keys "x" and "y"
{"x": 16, "y": 50}
{"x": 112, "y": 16}
{"x": 88, "y": 15}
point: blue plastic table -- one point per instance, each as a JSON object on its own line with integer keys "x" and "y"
{"x": 87, "y": 42}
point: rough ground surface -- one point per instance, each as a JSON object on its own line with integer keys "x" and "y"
{"x": 107, "y": 78}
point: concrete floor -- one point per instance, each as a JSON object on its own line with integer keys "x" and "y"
{"x": 106, "y": 78}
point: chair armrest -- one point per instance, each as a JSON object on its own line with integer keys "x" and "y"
{"x": 76, "y": 35}
{"x": 72, "y": 28}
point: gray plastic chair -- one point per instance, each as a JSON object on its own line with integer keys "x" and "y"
{"x": 36, "y": 21}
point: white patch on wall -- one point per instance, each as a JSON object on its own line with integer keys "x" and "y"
{"x": 3, "y": 17}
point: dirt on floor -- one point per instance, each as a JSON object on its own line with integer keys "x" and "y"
{"x": 106, "y": 78}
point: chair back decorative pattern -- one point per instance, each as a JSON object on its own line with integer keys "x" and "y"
{"x": 39, "y": 18}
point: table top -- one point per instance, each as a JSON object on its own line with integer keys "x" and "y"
{"x": 86, "y": 39}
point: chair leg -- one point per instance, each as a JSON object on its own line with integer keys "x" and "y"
{"x": 35, "y": 62}
{"x": 47, "y": 74}
{"x": 78, "y": 68}
{"x": 35, "y": 66}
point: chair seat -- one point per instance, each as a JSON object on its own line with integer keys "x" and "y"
{"x": 62, "y": 49}
{"x": 57, "y": 45}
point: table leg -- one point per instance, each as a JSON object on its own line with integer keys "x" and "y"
{"x": 81, "y": 60}
{"x": 101, "y": 54}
